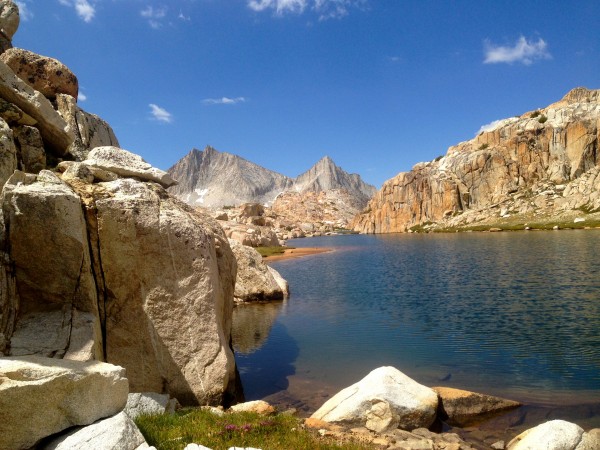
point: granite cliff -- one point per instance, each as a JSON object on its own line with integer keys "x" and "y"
{"x": 541, "y": 166}
{"x": 97, "y": 260}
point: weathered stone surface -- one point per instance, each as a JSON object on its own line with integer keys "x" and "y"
{"x": 385, "y": 399}
{"x": 79, "y": 171}
{"x": 256, "y": 406}
{"x": 255, "y": 280}
{"x": 168, "y": 275}
{"x": 30, "y": 147}
{"x": 90, "y": 130}
{"x": 146, "y": 403}
{"x": 49, "y": 250}
{"x": 126, "y": 164}
{"x": 9, "y": 18}
{"x": 8, "y": 153}
{"x": 500, "y": 170}
{"x": 465, "y": 408}
{"x": 46, "y": 75}
{"x": 116, "y": 432}
{"x": 590, "y": 440}
{"x": 53, "y": 395}
{"x": 54, "y": 130}
{"x": 552, "y": 435}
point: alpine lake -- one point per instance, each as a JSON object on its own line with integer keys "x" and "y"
{"x": 512, "y": 314}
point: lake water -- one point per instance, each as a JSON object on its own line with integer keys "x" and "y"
{"x": 511, "y": 314}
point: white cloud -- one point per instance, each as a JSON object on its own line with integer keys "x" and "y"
{"x": 160, "y": 114}
{"x": 223, "y": 101}
{"x": 84, "y": 9}
{"x": 182, "y": 16}
{"x": 489, "y": 126}
{"x": 524, "y": 51}
{"x": 24, "y": 12}
{"x": 154, "y": 15}
{"x": 81, "y": 97}
{"x": 326, "y": 9}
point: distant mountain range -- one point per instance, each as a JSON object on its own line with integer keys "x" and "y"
{"x": 213, "y": 179}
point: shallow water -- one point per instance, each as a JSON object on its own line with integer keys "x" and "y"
{"x": 512, "y": 314}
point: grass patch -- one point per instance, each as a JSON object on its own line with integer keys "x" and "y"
{"x": 175, "y": 431}
{"x": 270, "y": 251}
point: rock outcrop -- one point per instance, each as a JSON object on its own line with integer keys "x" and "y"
{"x": 545, "y": 161}
{"x": 97, "y": 260}
{"x": 384, "y": 400}
{"x": 42, "y": 396}
{"x": 255, "y": 280}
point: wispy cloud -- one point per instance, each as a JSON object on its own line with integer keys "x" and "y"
{"x": 224, "y": 101}
{"x": 524, "y": 51}
{"x": 160, "y": 114}
{"x": 154, "y": 15}
{"x": 24, "y": 12}
{"x": 326, "y": 9}
{"x": 489, "y": 126}
{"x": 81, "y": 97}
{"x": 84, "y": 9}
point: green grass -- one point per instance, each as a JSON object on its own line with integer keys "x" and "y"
{"x": 280, "y": 432}
{"x": 270, "y": 251}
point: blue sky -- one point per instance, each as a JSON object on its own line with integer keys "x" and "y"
{"x": 378, "y": 85}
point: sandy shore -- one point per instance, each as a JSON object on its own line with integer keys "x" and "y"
{"x": 297, "y": 253}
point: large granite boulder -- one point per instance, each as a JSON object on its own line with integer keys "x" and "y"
{"x": 556, "y": 435}
{"x": 42, "y": 396}
{"x": 383, "y": 400}
{"x": 465, "y": 408}
{"x": 46, "y": 75}
{"x": 116, "y": 432}
{"x": 56, "y": 134}
{"x": 167, "y": 281}
{"x": 127, "y": 164}
{"x": 255, "y": 280}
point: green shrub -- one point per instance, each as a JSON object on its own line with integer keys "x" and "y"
{"x": 535, "y": 114}
{"x": 483, "y": 146}
{"x": 542, "y": 119}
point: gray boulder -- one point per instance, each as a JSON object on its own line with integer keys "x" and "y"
{"x": 148, "y": 403}
{"x": 53, "y": 395}
{"x": 385, "y": 399}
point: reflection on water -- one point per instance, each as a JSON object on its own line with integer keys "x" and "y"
{"x": 252, "y": 324}
{"x": 515, "y": 314}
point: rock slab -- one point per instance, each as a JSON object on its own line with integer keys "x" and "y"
{"x": 116, "y": 432}
{"x": 53, "y": 395}
{"x": 465, "y": 408}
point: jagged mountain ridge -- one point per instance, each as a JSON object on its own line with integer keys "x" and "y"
{"x": 542, "y": 164}
{"x": 213, "y": 179}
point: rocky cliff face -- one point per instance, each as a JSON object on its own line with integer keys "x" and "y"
{"x": 97, "y": 260}
{"x": 543, "y": 163}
